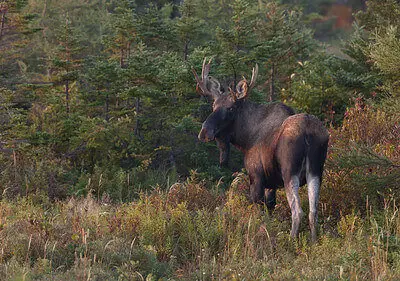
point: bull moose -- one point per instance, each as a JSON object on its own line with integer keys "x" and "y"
{"x": 281, "y": 149}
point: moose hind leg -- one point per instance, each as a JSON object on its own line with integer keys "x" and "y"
{"x": 313, "y": 184}
{"x": 292, "y": 194}
{"x": 270, "y": 199}
{"x": 314, "y": 167}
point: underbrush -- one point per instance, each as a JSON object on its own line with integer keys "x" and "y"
{"x": 197, "y": 230}
{"x": 363, "y": 165}
{"x": 190, "y": 233}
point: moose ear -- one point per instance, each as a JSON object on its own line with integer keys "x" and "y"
{"x": 242, "y": 89}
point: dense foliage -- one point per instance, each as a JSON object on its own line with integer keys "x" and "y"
{"x": 83, "y": 98}
{"x": 98, "y": 106}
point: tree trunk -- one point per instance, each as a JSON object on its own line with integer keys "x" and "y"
{"x": 171, "y": 152}
{"x": 107, "y": 107}
{"x": 186, "y": 50}
{"x": 2, "y": 23}
{"x": 234, "y": 76}
{"x": 128, "y": 51}
{"x": 136, "y": 131}
{"x": 67, "y": 95}
{"x": 121, "y": 58}
{"x": 272, "y": 94}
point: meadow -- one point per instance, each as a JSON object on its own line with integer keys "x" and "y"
{"x": 191, "y": 233}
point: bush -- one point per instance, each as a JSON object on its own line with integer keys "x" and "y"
{"x": 363, "y": 163}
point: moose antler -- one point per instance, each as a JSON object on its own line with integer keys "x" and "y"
{"x": 202, "y": 82}
{"x": 242, "y": 88}
{"x": 254, "y": 75}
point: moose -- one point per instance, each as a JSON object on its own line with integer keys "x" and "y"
{"x": 281, "y": 148}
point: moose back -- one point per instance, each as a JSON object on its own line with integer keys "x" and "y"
{"x": 281, "y": 149}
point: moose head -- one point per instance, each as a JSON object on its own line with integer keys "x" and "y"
{"x": 225, "y": 103}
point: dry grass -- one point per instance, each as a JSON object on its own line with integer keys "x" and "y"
{"x": 189, "y": 233}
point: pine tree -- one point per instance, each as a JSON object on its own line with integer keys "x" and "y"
{"x": 66, "y": 62}
{"x": 156, "y": 29}
{"x": 374, "y": 48}
{"x": 379, "y": 15}
{"x": 381, "y": 24}
{"x": 123, "y": 32}
{"x": 235, "y": 41}
{"x": 282, "y": 41}
{"x": 189, "y": 26}
{"x": 103, "y": 78}
{"x": 15, "y": 30}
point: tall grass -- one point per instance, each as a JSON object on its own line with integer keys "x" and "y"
{"x": 190, "y": 233}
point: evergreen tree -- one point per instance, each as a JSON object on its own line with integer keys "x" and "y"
{"x": 379, "y": 15}
{"x": 236, "y": 41}
{"x": 15, "y": 27}
{"x": 315, "y": 88}
{"x": 103, "y": 80}
{"x": 66, "y": 61}
{"x": 282, "y": 41}
{"x": 381, "y": 24}
{"x": 156, "y": 30}
{"x": 374, "y": 49}
{"x": 189, "y": 26}
{"x": 123, "y": 32}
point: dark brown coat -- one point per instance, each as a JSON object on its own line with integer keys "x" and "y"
{"x": 280, "y": 149}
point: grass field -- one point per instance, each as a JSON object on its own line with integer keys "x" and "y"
{"x": 191, "y": 232}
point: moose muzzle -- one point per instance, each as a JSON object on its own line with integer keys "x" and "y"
{"x": 206, "y": 135}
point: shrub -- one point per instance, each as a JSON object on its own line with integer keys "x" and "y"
{"x": 362, "y": 166}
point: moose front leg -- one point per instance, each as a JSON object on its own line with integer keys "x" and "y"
{"x": 256, "y": 175}
{"x": 257, "y": 188}
{"x": 270, "y": 199}
{"x": 224, "y": 150}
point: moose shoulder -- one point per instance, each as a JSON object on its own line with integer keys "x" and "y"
{"x": 280, "y": 148}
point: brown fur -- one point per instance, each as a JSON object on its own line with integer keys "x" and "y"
{"x": 280, "y": 149}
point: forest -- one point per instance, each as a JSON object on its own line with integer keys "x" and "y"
{"x": 102, "y": 175}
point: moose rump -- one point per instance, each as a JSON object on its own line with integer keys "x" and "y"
{"x": 298, "y": 151}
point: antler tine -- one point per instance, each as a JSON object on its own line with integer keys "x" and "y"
{"x": 201, "y": 82}
{"x": 232, "y": 92}
{"x": 205, "y": 70}
{"x": 253, "y": 77}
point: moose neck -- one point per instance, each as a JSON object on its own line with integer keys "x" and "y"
{"x": 257, "y": 122}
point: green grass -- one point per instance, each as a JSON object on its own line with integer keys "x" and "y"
{"x": 190, "y": 233}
